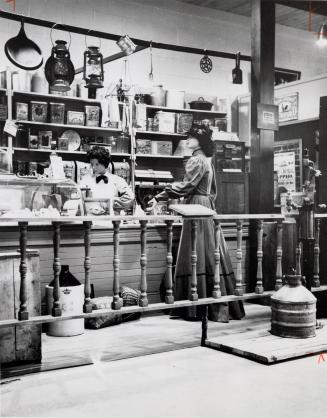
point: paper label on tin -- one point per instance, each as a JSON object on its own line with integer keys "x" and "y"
{"x": 10, "y": 127}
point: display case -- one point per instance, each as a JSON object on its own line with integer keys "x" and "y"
{"x": 37, "y": 197}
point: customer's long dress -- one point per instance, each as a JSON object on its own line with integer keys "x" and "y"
{"x": 199, "y": 187}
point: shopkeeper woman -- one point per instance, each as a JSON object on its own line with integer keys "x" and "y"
{"x": 104, "y": 184}
{"x": 199, "y": 187}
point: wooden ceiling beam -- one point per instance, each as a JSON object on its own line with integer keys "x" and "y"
{"x": 315, "y": 7}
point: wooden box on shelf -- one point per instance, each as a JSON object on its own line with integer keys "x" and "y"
{"x": 23, "y": 343}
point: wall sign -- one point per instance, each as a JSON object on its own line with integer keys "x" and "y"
{"x": 284, "y": 165}
{"x": 267, "y": 116}
{"x": 288, "y": 107}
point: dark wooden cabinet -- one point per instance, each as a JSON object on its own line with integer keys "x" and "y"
{"x": 232, "y": 180}
{"x": 232, "y": 193}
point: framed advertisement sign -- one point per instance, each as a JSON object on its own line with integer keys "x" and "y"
{"x": 288, "y": 107}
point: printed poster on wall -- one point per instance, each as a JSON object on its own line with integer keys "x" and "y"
{"x": 284, "y": 164}
{"x": 288, "y": 107}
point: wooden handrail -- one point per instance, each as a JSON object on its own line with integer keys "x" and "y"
{"x": 143, "y": 221}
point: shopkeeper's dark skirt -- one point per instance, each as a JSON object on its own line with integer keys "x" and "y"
{"x": 205, "y": 247}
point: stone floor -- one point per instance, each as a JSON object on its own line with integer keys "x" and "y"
{"x": 190, "y": 382}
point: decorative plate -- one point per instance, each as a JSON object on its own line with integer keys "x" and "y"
{"x": 73, "y": 139}
{"x": 206, "y": 64}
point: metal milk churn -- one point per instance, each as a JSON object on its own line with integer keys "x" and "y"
{"x": 293, "y": 310}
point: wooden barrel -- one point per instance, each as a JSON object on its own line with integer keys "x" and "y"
{"x": 293, "y": 310}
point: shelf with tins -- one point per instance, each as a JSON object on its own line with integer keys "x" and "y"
{"x": 152, "y": 156}
{"x": 66, "y": 126}
{"x": 58, "y": 151}
{"x": 157, "y": 133}
{"x": 215, "y": 113}
{"x": 54, "y": 96}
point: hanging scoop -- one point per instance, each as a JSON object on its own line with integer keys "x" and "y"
{"x": 23, "y": 52}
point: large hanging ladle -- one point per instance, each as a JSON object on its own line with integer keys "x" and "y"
{"x": 23, "y": 52}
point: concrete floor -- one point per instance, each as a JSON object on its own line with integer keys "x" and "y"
{"x": 192, "y": 382}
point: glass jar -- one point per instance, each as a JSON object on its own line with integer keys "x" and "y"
{"x": 158, "y": 96}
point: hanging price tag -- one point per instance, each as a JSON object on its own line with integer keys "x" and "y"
{"x": 10, "y": 128}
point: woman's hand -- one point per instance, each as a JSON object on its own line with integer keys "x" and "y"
{"x": 151, "y": 205}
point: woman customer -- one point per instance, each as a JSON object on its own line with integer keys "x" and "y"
{"x": 104, "y": 184}
{"x": 199, "y": 187}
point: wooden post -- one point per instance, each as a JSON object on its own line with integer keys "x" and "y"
{"x": 239, "y": 285}
{"x": 87, "y": 307}
{"x": 23, "y": 313}
{"x": 279, "y": 254}
{"x": 194, "y": 258}
{"x": 204, "y": 325}
{"x": 116, "y": 303}
{"x": 316, "y": 250}
{"x": 262, "y": 91}
{"x": 259, "y": 286}
{"x": 56, "y": 310}
{"x": 216, "y": 284}
{"x": 169, "y": 297}
{"x": 143, "y": 261}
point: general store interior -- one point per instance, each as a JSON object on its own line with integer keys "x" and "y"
{"x": 139, "y": 362}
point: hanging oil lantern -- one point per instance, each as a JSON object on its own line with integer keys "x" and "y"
{"x": 59, "y": 70}
{"x": 93, "y": 70}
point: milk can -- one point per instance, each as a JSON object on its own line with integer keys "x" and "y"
{"x": 293, "y": 310}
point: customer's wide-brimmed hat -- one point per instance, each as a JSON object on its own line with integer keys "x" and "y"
{"x": 203, "y": 134}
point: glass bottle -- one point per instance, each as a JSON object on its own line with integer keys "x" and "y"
{"x": 237, "y": 72}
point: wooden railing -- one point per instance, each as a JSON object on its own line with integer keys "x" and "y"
{"x": 144, "y": 305}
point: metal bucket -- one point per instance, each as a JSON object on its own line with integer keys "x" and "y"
{"x": 293, "y": 310}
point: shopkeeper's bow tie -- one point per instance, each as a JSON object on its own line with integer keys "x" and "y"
{"x": 104, "y": 178}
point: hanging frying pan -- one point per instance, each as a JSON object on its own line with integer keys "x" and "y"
{"x": 23, "y": 52}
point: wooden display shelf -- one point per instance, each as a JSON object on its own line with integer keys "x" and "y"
{"x": 64, "y": 126}
{"x": 58, "y": 151}
{"x": 171, "y": 109}
{"x": 55, "y": 96}
{"x": 172, "y": 134}
{"x": 176, "y": 157}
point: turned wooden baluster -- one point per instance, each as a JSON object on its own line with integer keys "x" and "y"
{"x": 56, "y": 310}
{"x": 259, "y": 286}
{"x": 116, "y": 303}
{"x": 23, "y": 313}
{"x": 143, "y": 261}
{"x": 316, "y": 252}
{"x": 87, "y": 307}
{"x": 169, "y": 298}
{"x": 298, "y": 251}
{"x": 239, "y": 286}
{"x": 279, "y": 254}
{"x": 216, "y": 284}
{"x": 194, "y": 258}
